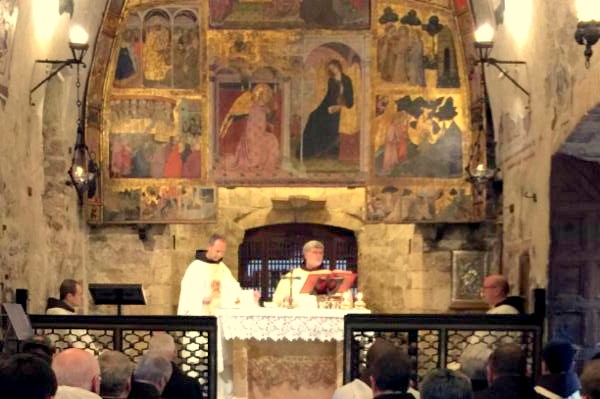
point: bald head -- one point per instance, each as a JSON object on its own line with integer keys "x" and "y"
{"x": 163, "y": 344}
{"x": 77, "y": 368}
{"x": 495, "y": 289}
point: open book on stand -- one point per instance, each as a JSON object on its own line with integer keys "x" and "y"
{"x": 328, "y": 282}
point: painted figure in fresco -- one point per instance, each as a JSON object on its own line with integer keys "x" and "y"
{"x": 396, "y": 142}
{"x": 173, "y": 164}
{"x": 281, "y": 8}
{"x": 157, "y": 48}
{"x": 192, "y": 162}
{"x": 258, "y": 148}
{"x": 186, "y": 51}
{"x": 320, "y": 13}
{"x": 121, "y": 158}
{"x": 321, "y": 132}
{"x": 129, "y": 54}
{"x": 414, "y": 60}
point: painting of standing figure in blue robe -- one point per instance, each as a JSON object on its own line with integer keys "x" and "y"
{"x": 332, "y": 104}
{"x": 418, "y": 137}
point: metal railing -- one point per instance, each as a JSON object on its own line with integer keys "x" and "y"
{"x": 434, "y": 341}
{"x": 195, "y": 337}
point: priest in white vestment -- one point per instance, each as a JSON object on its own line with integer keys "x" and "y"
{"x": 206, "y": 286}
{"x": 313, "y": 252}
{"x": 207, "y": 283}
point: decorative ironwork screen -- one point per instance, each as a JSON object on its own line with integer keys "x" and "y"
{"x": 434, "y": 341}
{"x": 269, "y": 252}
{"x": 195, "y": 337}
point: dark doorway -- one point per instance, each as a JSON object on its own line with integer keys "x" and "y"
{"x": 269, "y": 252}
{"x": 574, "y": 274}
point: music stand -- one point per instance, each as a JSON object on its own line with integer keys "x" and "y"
{"x": 117, "y": 294}
{"x": 19, "y": 327}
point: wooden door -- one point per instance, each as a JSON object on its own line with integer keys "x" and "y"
{"x": 574, "y": 275}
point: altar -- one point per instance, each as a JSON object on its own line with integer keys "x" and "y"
{"x": 284, "y": 353}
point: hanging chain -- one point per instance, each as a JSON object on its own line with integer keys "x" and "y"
{"x": 78, "y": 102}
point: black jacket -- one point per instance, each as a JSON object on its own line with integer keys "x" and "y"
{"x": 140, "y": 390}
{"x": 181, "y": 386}
{"x": 509, "y": 387}
{"x": 515, "y": 301}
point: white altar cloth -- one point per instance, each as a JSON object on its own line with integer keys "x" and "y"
{"x": 280, "y": 324}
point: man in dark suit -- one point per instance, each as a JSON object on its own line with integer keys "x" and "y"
{"x": 179, "y": 385}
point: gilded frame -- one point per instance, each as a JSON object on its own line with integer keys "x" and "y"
{"x": 469, "y": 269}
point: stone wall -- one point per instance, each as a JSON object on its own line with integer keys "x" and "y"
{"x": 530, "y": 132}
{"x": 402, "y": 268}
{"x": 42, "y": 239}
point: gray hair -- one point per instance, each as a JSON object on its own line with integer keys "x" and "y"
{"x": 115, "y": 370}
{"x": 162, "y": 344}
{"x": 312, "y": 244}
{"x": 446, "y": 384}
{"x": 473, "y": 361}
{"x": 154, "y": 369}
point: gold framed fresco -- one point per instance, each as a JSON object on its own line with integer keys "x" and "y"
{"x": 195, "y": 94}
{"x": 469, "y": 268}
{"x": 275, "y": 116}
{"x": 421, "y": 132}
{"x": 151, "y": 126}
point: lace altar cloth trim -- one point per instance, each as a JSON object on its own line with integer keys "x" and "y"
{"x": 279, "y": 324}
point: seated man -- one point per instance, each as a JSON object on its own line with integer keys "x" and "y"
{"x": 360, "y": 388}
{"x": 179, "y": 385}
{"x": 506, "y": 375}
{"x": 495, "y": 291}
{"x": 116, "y": 371}
{"x": 71, "y": 296}
{"x": 446, "y": 384}
{"x": 150, "y": 377}
{"x": 313, "y": 252}
{"x": 77, "y": 373}
{"x": 559, "y": 379}
{"x": 26, "y": 376}
{"x": 391, "y": 375}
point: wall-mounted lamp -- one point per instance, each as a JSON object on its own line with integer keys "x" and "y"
{"x": 480, "y": 176}
{"x": 84, "y": 170}
{"x": 78, "y": 43}
{"x": 484, "y": 42}
{"x": 588, "y": 28}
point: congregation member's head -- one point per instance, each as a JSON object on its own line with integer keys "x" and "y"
{"x": 506, "y": 360}
{"x": 390, "y": 372}
{"x": 153, "y": 370}
{"x": 590, "y": 380}
{"x": 558, "y": 357}
{"x": 163, "y": 344}
{"x": 78, "y": 369}
{"x": 495, "y": 289}
{"x": 116, "y": 371}
{"x": 473, "y": 364}
{"x": 313, "y": 252}
{"x": 71, "y": 292}
{"x": 40, "y": 346}
{"x": 217, "y": 245}
{"x": 446, "y": 384}
{"x": 26, "y": 376}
